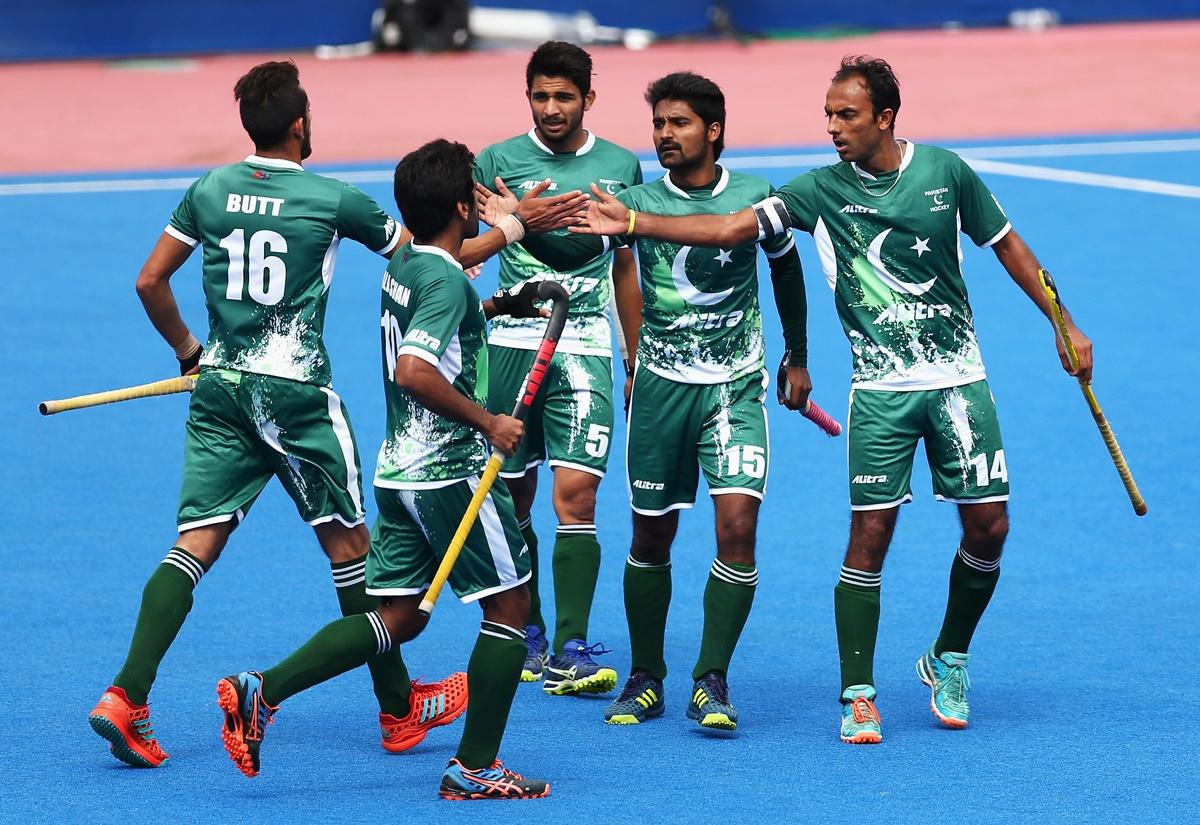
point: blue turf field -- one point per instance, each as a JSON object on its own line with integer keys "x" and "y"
{"x": 1085, "y": 662}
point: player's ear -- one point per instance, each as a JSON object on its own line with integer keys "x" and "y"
{"x": 297, "y": 127}
{"x": 589, "y": 99}
{"x": 884, "y": 119}
{"x": 714, "y": 131}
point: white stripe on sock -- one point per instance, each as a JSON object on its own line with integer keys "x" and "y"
{"x": 577, "y": 529}
{"x": 978, "y": 564}
{"x": 381, "y": 632}
{"x": 192, "y": 568}
{"x": 860, "y": 578}
{"x": 725, "y": 573}
{"x": 645, "y": 564}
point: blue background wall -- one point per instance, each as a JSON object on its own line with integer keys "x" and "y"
{"x": 54, "y": 29}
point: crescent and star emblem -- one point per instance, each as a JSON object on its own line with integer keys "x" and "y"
{"x": 892, "y": 282}
{"x": 688, "y": 291}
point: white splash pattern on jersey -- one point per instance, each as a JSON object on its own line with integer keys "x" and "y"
{"x": 282, "y": 352}
{"x": 414, "y": 455}
{"x": 583, "y": 334}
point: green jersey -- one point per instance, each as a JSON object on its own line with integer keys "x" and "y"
{"x": 430, "y": 310}
{"x": 700, "y": 319}
{"x": 891, "y": 251}
{"x": 270, "y": 233}
{"x": 522, "y": 163}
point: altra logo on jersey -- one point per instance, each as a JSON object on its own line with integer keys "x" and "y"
{"x": 855, "y": 209}
{"x": 939, "y": 198}
{"x": 525, "y": 186}
{"x": 902, "y": 313}
{"x": 253, "y": 204}
{"x": 422, "y": 338}
{"x": 642, "y": 484}
{"x": 867, "y": 479}
{"x": 707, "y": 320}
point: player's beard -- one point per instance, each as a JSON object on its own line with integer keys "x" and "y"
{"x": 471, "y": 230}
{"x": 680, "y": 161}
{"x": 306, "y": 141}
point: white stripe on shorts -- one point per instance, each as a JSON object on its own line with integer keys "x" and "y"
{"x": 341, "y": 431}
{"x": 497, "y": 541}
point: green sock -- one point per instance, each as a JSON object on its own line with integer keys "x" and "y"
{"x": 338, "y": 647}
{"x": 492, "y": 678}
{"x": 972, "y": 583}
{"x": 576, "y": 568}
{"x": 389, "y": 676}
{"x": 727, "y": 599}
{"x": 856, "y": 611}
{"x": 647, "y": 598}
{"x": 535, "y": 598}
{"x": 166, "y": 601}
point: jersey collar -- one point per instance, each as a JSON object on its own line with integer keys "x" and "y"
{"x": 582, "y": 150}
{"x": 905, "y": 159}
{"x": 436, "y": 250}
{"x": 277, "y": 163}
{"x": 722, "y": 182}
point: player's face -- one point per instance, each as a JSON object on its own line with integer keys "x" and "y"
{"x": 681, "y": 139}
{"x": 557, "y": 107}
{"x": 857, "y": 132}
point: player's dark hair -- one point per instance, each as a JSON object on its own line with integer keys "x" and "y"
{"x": 705, "y": 97}
{"x": 430, "y": 183}
{"x": 555, "y": 58}
{"x": 270, "y": 99}
{"x": 878, "y": 77}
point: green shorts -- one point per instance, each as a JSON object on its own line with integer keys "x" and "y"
{"x": 243, "y": 428}
{"x": 572, "y": 418}
{"x": 414, "y": 528}
{"x": 962, "y": 445}
{"x": 677, "y": 429}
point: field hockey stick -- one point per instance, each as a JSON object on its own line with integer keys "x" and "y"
{"x": 546, "y": 290}
{"x": 828, "y": 424}
{"x": 1110, "y": 440}
{"x": 169, "y": 386}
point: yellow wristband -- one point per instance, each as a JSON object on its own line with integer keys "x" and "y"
{"x": 632, "y": 222}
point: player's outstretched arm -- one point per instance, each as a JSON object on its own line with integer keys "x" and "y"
{"x": 513, "y": 220}
{"x": 787, "y": 282}
{"x": 606, "y": 215}
{"x": 437, "y": 395}
{"x": 154, "y": 290}
{"x": 1022, "y": 266}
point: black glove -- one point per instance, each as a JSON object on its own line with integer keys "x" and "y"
{"x": 188, "y": 364}
{"x": 519, "y": 302}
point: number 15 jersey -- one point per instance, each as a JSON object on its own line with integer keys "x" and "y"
{"x": 270, "y": 233}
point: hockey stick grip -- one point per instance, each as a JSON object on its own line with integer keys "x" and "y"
{"x": 169, "y": 386}
{"x": 547, "y": 290}
{"x": 822, "y": 419}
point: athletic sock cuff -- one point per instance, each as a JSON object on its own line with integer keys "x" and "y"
{"x": 526, "y": 524}
{"x": 349, "y": 573}
{"x": 501, "y": 631}
{"x": 860, "y": 578}
{"x": 382, "y": 636}
{"x": 191, "y": 566}
{"x": 978, "y": 565}
{"x": 645, "y": 565}
{"x": 734, "y": 574}
{"x": 568, "y": 530}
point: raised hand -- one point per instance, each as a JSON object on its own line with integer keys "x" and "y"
{"x": 495, "y": 205}
{"x": 546, "y": 214}
{"x": 605, "y": 215}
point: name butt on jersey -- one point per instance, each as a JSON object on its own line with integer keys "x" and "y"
{"x": 253, "y": 204}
